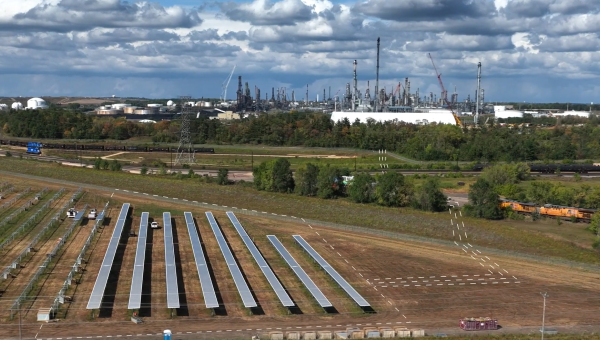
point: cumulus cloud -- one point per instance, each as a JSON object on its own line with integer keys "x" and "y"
{"x": 75, "y": 15}
{"x": 416, "y": 10}
{"x": 265, "y": 12}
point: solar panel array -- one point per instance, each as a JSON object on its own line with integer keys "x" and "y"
{"x": 260, "y": 260}
{"x": 102, "y": 279}
{"x": 240, "y": 282}
{"x": 308, "y": 283}
{"x": 208, "y": 291}
{"x": 171, "y": 269}
{"x": 79, "y": 215}
{"x": 135, "y": 295}
{"x": 332, "y": 272}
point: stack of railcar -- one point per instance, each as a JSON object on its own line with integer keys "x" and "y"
{"x": 98, "y": 147}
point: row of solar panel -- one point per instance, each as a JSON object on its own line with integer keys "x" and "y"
{"x": 202, "y": 266}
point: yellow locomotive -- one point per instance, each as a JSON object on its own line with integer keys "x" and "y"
{"x": 581, "y": 214}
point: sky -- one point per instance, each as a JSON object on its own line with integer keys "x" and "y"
{"x": 530, "y": 50}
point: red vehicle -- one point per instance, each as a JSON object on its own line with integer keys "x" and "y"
{"x": 478, "y": 324}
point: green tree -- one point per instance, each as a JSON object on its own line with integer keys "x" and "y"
{"x": 306, "y": 180}
{"x": 223, "y": 177}
{"x": 115, "y": 165}
{"x": 329, "y": 182}
{"x": 393, "y": 190}
{"x": 504, "y": 174}
{"x": 361, "y": 188}
{"x": 429, "y": 196}
{"x": 594, "y": 226}
{"x": 191, "y": 173}
{"x": 274, "y": 175}
{"x": 143, "y": 170}
{"x": 483, "y": 201}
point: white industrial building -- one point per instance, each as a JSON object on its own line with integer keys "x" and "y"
{"x": 501, "y": 112}
{"x": 420, "y": 118}
{"x": 3, "y": 107}
{"x": 36, "y": 103}
{"x": 584, "y": 114}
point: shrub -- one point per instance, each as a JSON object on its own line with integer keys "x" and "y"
{"x": 144, "y": 170}
{"x": 223, "y": 177}
{"x": 8, "y": 154}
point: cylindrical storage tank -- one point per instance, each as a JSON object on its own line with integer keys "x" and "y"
{"x": 324, "y": 335}
{"x": 170, "y": 103}
{"x": 16, "y": 106}
{"x": 120, "y": 106}
{"x": 417, "y": 333}
{"x": 143, "y": 112}
{"x": 129, "y": 109}
{"x": 309, "y": 336}
{"x": 107, "y": 112}
{"x": 207, "y": 104}
{"x": 154, "y": 105}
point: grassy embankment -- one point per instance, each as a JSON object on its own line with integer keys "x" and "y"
{"x": 506, "y": 235}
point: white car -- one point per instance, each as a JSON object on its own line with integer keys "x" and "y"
{"x": 154, "y": 225}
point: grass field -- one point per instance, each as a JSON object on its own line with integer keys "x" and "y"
{"x": 504, "y": 235}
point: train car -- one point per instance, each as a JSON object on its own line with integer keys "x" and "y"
{"x": 204, "y": 150}
{"x": 567, "y": 212}
{"x": 69, "y": 146}
{"x": 114, "y": 148}
{"x": 136, "y": 148}
{"x": 519, "y": 207}
{"x": 478, "y": 324}
{"x": 33, "y": 151}
{"x": 94, "y": 147}
{"x": 3, "y": 142}
{"x": 157, "y": 149}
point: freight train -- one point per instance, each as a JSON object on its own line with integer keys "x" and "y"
{"x": 553, "y": 168}
{"x": 96, "y": 147}
{"x": 550, "y": 210}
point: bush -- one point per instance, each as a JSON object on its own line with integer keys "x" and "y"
{"x": 8, "y": 154}
{"x": 191, "y": 173}
{"x": 223, "y": 177}
{"x": 430, "y": 197}
{"x": 115, "y": 165}
{"x": 144, "y": 170}
{"x": 361, "y": 189}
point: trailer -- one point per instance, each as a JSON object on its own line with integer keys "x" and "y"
{"x": 92, "y": 214}
{"x": 71, "y": 213}
{"x": 478, "y": 324}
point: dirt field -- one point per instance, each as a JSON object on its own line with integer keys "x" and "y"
{"x": 412, "y": 284}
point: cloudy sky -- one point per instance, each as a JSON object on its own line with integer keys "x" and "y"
{"x": 531, "y": 50}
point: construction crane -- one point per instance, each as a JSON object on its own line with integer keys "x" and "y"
{"x": 445, "y": 93}
{"x": 225, "y": 85}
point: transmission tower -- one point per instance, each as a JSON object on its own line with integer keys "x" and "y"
{"x": 185, "y": 151}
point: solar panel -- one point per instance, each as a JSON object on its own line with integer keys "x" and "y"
{"x": 135, "y": 295}
{"x": 260, "y": 260}
{"x": 171, "y": 270}
{"x": 79, "y": 215}
{"x": 100, "y": 285}
{"x": 334, "y": 274}
{"x": 308, "y": 283}
{"x": 208, "y": 291}
{"x": 240, "y": 282}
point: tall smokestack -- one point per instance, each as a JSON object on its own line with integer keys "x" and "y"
{"x": 354, "y": 90}
{"x": 478, "y": 93}
{"x": 307, "y": 94}
{"x": 377, "y": 78}
{"x": 324, "y": 98}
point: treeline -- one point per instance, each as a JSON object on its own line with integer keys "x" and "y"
{"x": 390, "y": 189}
{"x": 444, "y": 143}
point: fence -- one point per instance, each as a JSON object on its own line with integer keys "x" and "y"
{"x": 23, "y": 208}
{"x": 16, "y": 305}
{"x": 60, "y": 297}
{"x": 42, "y": 232}
{"x": 6, "y": 189}
{"x": 31, "y": 221}
{"x": 14, "y": 199}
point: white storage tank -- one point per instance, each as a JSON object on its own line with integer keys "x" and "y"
{"x": 16, "y": 106}
{"x": 120, "y": 106}
{"x": 502, "y": 113}
{"x": 143, "y": 112}
{"x": 170, "y": 103}
{"x": 154, "y": 105}
{"x": 36, "y": 103}
{"x": 207, "y": 104}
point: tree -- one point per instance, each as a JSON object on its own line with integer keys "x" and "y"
{"x": 274, "y": 175}
{"x": 594, "y": 226}
{"x": 115, "y": 165}
{"x": 393, "y": 190}
{"x": 329, "y": 182}
{"x": 504, "y": 174}
{"x": 223, "y": 177}
{"x": 306, "y": 180}
{"x": 483, "y": 201}
{"x": 361, "y": 188}
{"x": 429, "y": 196}
{"x": 143, "y": 170}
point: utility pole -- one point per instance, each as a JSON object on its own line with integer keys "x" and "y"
{"x": 19, "y": 307}
{"x": 544, "y": 295}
